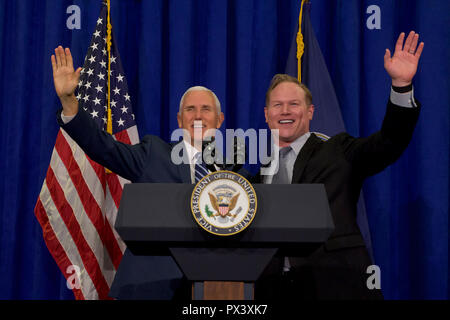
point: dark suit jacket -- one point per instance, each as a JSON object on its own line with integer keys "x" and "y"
{"x": 138, "y": 277}
{"x": 341, "y": 164}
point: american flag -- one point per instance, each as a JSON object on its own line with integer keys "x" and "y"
{"x": 78, "y": 203}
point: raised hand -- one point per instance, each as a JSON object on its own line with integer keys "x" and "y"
{"x": 65, "y": 79}
{"x": 402, "y": 66}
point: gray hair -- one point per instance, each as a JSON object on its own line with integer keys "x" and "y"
{"x": 200, "y": 88}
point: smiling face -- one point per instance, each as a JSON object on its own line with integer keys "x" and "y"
{"x": 198, "y": 113}
{"x": 288, "y": 111}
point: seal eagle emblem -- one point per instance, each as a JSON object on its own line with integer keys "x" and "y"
{"x": 223, "y": 200}
{"x": 223, "y": 203}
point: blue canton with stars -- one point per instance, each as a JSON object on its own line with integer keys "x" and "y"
{"x": 93, "y": 86}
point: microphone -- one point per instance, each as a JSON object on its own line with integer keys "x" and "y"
{"x": 213, "y": 157}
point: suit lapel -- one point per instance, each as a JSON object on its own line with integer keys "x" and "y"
{"x": 184, "y": 169}
{"x": 185, "y": 173}
{"x": 303, "y": 157}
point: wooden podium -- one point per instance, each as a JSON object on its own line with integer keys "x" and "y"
{"x": 291, "y": 220}
{"x": 221, "y": 290}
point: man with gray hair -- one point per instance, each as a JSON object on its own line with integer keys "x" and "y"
{"x": 199, "y": 104}
{"x": 141, "y": 277}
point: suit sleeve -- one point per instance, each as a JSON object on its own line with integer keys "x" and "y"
{"x": 126, "y": 160}
{"x": 373, "y": 154}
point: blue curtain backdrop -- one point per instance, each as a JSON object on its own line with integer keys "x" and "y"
{"x": 233, "y": 47}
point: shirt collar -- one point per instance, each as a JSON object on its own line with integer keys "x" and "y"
{"x": 298, "y": 143}
{"x": 191, "y": 151}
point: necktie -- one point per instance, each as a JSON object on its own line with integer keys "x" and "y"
{"x": 282, "y": 177}
{"x": 200, "y": 168}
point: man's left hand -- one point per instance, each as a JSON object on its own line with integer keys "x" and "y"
{"x": 402, "y": 66}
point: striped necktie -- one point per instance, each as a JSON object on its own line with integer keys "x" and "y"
{"x": 200, "y": 168}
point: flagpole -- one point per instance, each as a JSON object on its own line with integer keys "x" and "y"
{"x": 300, "y": 44}
{"x": 108, "y": 46}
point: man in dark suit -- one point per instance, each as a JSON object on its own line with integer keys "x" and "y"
{"x": 337, "y": 270}
{"x": 151, "y": 160}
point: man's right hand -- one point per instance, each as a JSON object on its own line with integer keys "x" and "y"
{"x": 65, "y": 80}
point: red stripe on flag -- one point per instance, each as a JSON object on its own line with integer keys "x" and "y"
{"x": 116, "y": 193}
{"x": 115, "y": 256}
{"x": 87, "y": 255}
{"x": 99, "y": 171}
{"x": 90, "y": 205}
{"x": 115, "y": 188}
{"x": 122, "y": 136}
{"x": 54, "y": 246}
{"x": 113, "y": 180}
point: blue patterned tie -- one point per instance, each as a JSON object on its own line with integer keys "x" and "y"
{"x": 200, "y": 168}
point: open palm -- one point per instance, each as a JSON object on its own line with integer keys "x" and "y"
{"x": 402, "y": 66}
{"x": 64, "y": 76}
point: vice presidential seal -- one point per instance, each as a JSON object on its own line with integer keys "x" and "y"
{"x": 223, "y": 203}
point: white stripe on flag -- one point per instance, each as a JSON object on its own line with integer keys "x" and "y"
{"x": 88, "y": 173}
{"x": 87, "y": 228}
{"x": 111, "y": 215}
{"x": 133, "y": 134}
{"x": 63, "y": 235}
